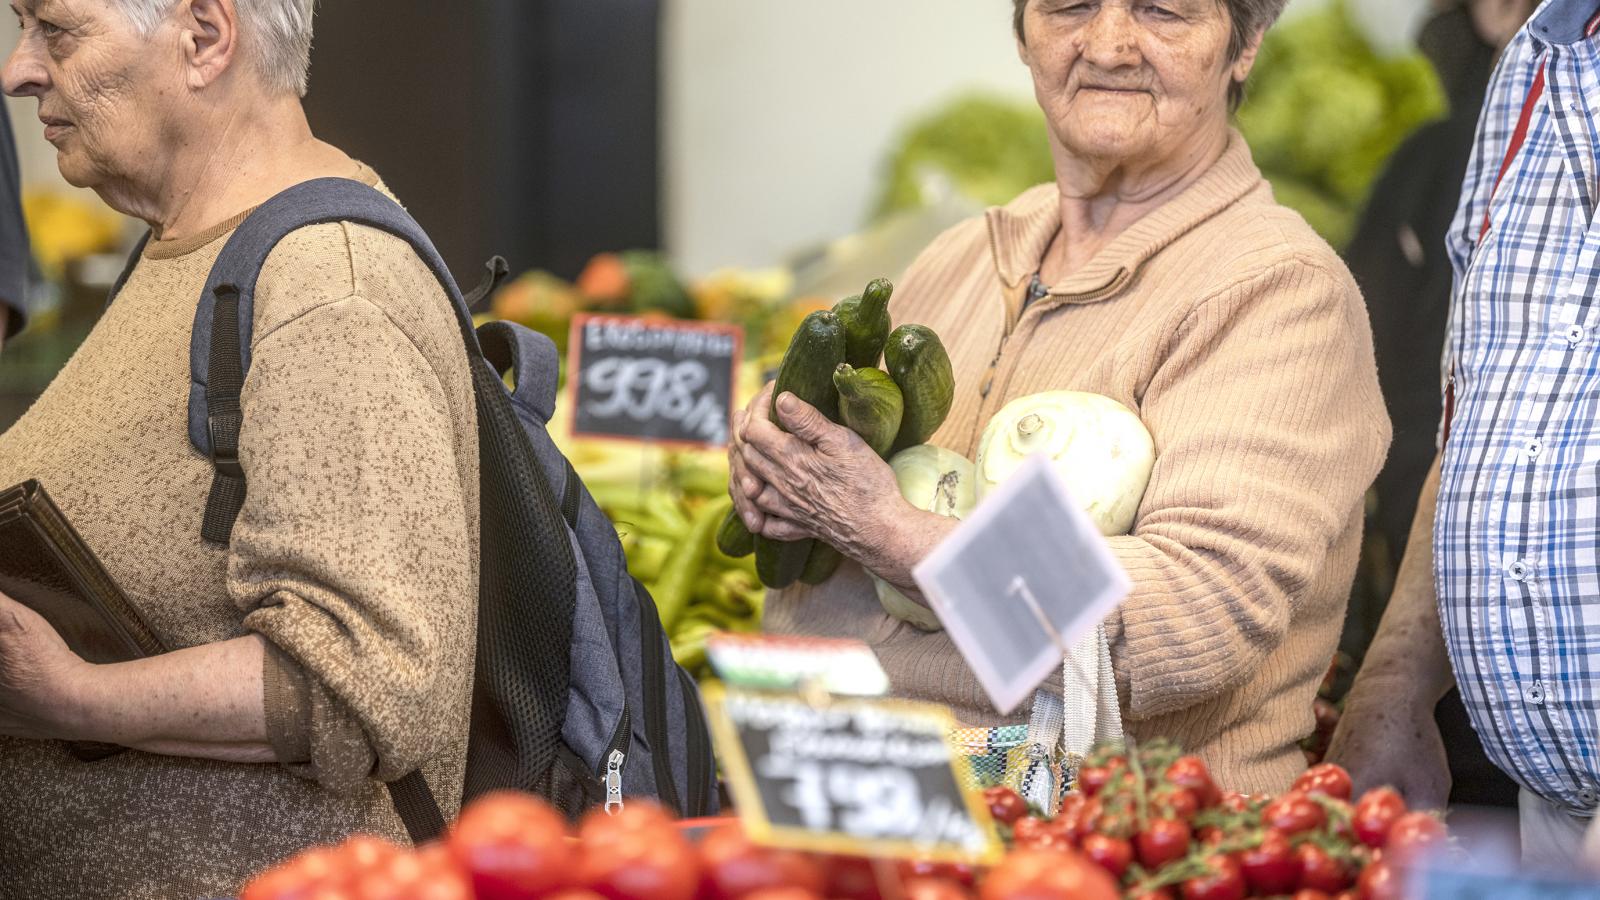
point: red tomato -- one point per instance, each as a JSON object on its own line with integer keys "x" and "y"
{"x": 1210, "y": 835}
{"x": 1048, "y": 875}
{"x": 1035, "y": 832}
{"x": 784, "y": 893}
{"x": 1293, "y": 813}
{"x": 853, "y": 878}
{"x": 732, "y": 867}
{"x": 636, "y": 855}
{"x": 365, "y": 851}
{"x": 428, "y": 874}
{"x": 575, "y": 894}
{"x": 1109, "y": 853}
{"x": 1411, "y": 834}
{"x": 1319, "y": 871}
{"x": 1233, "y": 801}
{"x": 1346, "y": 895}
{"x": 1159, "y": 893}
{"x": 1162, "y": 841}
{"x": 1093, "y": 779}
{"x": 1223, "y": 882}
{"x": 1378, "y": 882}
{"x": 960, "y": 873}
{"x": 1176, "y": 803}
{"x": 1190, "y": 772}
{"x": 513, "y": 845}
{"x": 1326, "y": 779}
{"x": 1308, "y": 894}
{"x": 1005, "y": 805}
{"x": 935, "y": 889}
{"x": 1271, "y": 867}
{"x": 1375, "y": 813}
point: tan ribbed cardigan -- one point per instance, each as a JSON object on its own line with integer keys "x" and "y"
{"x": 1241, "y": 340}
{"x": 355, "y": 557}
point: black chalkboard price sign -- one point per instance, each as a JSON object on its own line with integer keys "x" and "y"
{"x": 660, "y": 380}
{"x": 866, "y": 777}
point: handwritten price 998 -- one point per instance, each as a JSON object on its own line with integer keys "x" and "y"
{"x": 646, "y": 389}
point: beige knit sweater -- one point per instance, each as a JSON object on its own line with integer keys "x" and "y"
{"x": 355, "y": 557}
{"x": 1240, "y": 339}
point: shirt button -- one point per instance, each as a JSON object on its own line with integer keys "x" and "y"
{"x": 1533, "y": 448}
{"x": 1535, "y": 693}
{"x": 1575, "y": 335}
{"x": 1519, "y": 571}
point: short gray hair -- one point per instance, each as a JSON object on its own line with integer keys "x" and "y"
{"x": 276, "y": 35}
{"x": 1247, "y": 18}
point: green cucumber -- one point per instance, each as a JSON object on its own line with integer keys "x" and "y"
{"x": 871, "y": 404}
{"x": 807, "y": 372}
{"x": 865, "y": 319}
{"x": 823, "y": 563}
{"x": 918, "y": 363}
{"x": 733, "y": 539}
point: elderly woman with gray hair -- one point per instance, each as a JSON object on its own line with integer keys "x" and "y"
{"x": 1157, "y": 270}
{"x": 329, "y": 646}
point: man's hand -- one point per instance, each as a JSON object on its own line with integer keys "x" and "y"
{"x": 1387, "y": 734}
{"x": 39, "y": 677}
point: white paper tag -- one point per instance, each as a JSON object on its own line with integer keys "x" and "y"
{"x": 1020, "y": 580}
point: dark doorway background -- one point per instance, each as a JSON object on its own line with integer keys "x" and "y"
{"x": 526, "y": 128}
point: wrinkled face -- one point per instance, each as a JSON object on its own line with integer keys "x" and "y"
{"x": 1131, "y": 82}
{"x": 103, "y": 89}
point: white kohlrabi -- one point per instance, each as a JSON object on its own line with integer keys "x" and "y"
{"x": 1099, "y": 446}
{"x": 935, "y": 480}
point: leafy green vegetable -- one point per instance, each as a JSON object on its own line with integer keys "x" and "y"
{"x": 992, "y": 148}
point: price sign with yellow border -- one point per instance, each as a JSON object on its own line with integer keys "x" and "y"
{"x": 857, "y": 776}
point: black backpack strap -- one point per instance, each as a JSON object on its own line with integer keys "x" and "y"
{"x": 498, "y": 270}
{"x": 420, "y": 812}
{"x": 224, "y": 384}
{"x": 127, "y": 269}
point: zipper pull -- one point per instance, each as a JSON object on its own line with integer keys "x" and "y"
{"x": 614, "y": 782}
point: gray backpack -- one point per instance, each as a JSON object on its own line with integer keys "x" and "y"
{"x": 576, "y": 696}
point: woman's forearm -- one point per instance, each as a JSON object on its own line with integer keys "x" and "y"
{"x": 203, "y": 702}
{"x": 902, "y": 543}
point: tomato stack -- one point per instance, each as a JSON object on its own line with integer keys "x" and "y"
{"x": 1157, "y": 823}
{"x": 1148, "y": 826}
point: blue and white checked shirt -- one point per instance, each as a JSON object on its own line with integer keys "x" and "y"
{"x": 1517, "y": 534}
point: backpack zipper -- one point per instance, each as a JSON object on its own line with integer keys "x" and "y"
{"x": 611, "y": 761}
{"x": 655, "y": 698}
{"x": 700, "y": 761}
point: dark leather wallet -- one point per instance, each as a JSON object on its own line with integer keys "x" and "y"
{"x": 46, "y": 566}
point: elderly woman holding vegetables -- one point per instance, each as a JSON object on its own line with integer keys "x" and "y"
{"x": 1159, "y": 272}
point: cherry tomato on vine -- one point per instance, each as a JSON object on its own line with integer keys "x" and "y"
{"x": 1326, "y": 779}
{"x": 1319, "y": 871}
{"x": 1293, "y": 813}
{"x": 1190, "y": 772}
{"x": 1270, "y": 867}
{"x": 1375, "y": 813}
{"x": 1005, "y": 805}
{"x": 1109, "y": 853}
{"x": 1224, "y": 881}
{"x": 1162, "y": 841}
{"x": 1411, "y": 835}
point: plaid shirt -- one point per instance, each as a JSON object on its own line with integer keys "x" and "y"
{"x": 1517, "y": 535}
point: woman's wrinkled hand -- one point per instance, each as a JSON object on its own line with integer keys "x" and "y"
{"x": 39, "y": 675}
{"x": 818, "y": 480}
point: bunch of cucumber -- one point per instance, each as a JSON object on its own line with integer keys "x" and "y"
{"x": 832, "y": 364}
